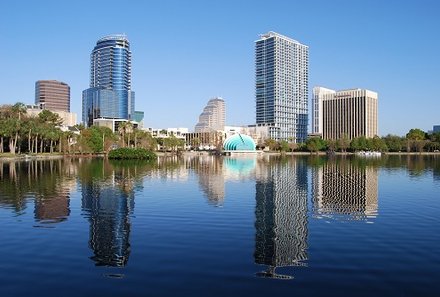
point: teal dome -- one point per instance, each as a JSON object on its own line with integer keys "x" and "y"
{"x": 239, "y": 142}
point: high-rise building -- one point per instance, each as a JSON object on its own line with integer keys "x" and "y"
{"x": 52, "y": 95}
{"x": 350, "y": 113}
{"x": 282, "y": 86}
{"x": 110, "y": 94}
{"x": 213, "y": 116}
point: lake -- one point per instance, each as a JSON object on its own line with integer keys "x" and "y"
{"x": 221, "y": 226}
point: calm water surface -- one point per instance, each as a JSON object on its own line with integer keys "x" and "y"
{"x": 211, "y": 226}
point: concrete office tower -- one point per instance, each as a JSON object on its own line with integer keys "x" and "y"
{"x": 282, "y": 66}
{"x": 52, "y": 95}
{"x": 110, "y": 95}
{"x": 213, "y": 116}
{"x": 348, "y": 112}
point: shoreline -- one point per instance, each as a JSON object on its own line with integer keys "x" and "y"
{"x": 26, "y": 157}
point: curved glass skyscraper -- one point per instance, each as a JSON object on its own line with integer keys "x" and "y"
{"x": 109, "y": 95}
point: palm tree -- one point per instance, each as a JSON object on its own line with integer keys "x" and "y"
{"x": 18, "y": 109}
{"x": 122, "y": 128}
{"x": 125, "y": 128}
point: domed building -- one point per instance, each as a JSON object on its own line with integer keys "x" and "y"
{"x": 240, "y": 143}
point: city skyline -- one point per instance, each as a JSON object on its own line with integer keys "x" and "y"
{"x": 367, "y": 45}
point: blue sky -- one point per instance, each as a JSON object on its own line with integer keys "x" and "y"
{"x": 185, "y": 52}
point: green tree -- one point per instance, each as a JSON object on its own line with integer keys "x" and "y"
{"x": 125, "y": 129}
{"x": 416, "y": 134}
{"x": 394, "y": 143}
{"x": 415, "y": 140}
{"x": 146, "y": 140}
{"x": 284, "y": 146}
{"x": 94, "y": 139}
{"x": 315, "y": 144}
{"x": 360, "y": 143}
{"x": 272, "y": 144}
{"x": 343, "y": 142}
{"x": 378, "y": 144}
{"x": 51, "y": 118}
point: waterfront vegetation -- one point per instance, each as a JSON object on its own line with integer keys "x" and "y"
{"x": 126, "y": 153}
{"x": 415, "y": 140}
{"x": 24, "y": 134}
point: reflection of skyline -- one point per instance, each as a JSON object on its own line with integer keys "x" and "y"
{"x": 281, "y": 216}
{"x": 108, "y": 206}
{"x": 214, "y": 171}
{"x": 209, "y": 170}
{"x": 343, "y": 188}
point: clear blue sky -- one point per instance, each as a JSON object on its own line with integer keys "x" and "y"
{"x": 185, "y": 52}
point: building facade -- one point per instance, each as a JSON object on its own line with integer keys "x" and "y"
{"x": 110, "y": 94}
{"x": 282, "y": 86}
{"x": 350, "y": 113}
{"x": 52, "y": 95}
{"x": 69, "y": 118}
{"x": 212, "y": 117}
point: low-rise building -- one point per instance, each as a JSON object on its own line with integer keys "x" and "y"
{"x": 69, "y": 118}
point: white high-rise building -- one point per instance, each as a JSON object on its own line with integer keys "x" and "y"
{"x": 213, "y": 116}
{"x": 282, "y": 71}
{"x": 352, "y": 113}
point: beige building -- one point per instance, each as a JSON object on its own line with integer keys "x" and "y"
{"x": 348, "y": 112}
{"x": 213, "y": 116}
{"x": 69, "y": 118}
{"x": 52, "y": 95}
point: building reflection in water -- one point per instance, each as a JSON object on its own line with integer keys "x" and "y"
{"x": 53, "y": 204}
{"x": 107, "y": 203}
{"x": 343, "y": 189}
{"x": 281, "y": 216}
{"x": 209, "y": 170}
{"x": 47, "y": 183}
{"x": 214, "y": 171}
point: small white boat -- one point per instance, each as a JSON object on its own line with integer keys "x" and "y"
{"x": 369, "y": 153}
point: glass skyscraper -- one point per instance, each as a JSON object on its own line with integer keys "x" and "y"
{"x": 109, "y": 95}
{"x": 282, "y": 86}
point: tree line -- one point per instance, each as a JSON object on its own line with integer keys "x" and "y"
{"x": 415, "y": 140}
{"x": 23, "y": 133}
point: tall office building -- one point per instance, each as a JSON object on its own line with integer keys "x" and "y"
{"x": 52, "y": 95}
{"x": 110, "y": 95}
{"x": 282, "y": 86}
{"x": 213, "y": 116}
{"x": 349, "y": 112}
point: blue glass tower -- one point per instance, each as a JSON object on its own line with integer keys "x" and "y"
{"x": 109, "y": 95}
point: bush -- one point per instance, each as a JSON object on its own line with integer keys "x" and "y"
{"x": 125, "y": 153}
